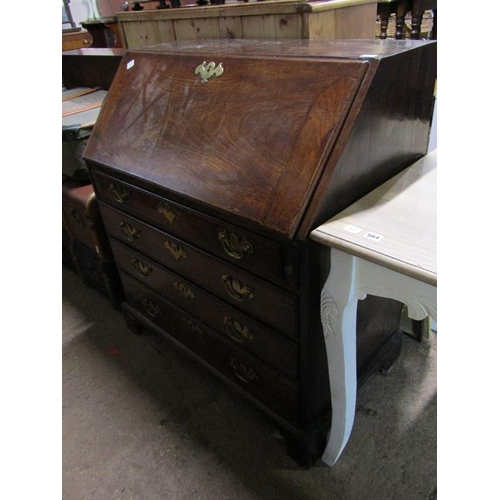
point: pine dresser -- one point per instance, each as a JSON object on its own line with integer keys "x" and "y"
{"x": 212, "y": 162}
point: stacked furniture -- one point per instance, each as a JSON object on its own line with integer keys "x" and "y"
{"x": 86, "y": 248}
{"x": 86, "y": 74}
{"x": 105, "y": 32}
{"x": 91, "y": 67}
{"x": 297, "y": 19}
{"x": 212, "y": 162}
{"x": 75, "y": 38}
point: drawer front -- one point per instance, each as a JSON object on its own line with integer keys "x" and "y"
{"x": 239, "y": 328}
{"x": 247, "y": 250}
{"x": 246, "y": 292}
{"x": 235, "y": 364}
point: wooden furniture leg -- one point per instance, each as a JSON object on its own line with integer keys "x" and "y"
{"x": 416, "y": 25}
{"x": 434, "y": 31}
{"x": 417, "y": 11}
{"x": 402, "y": 9}
{"x": 385, "y": 10}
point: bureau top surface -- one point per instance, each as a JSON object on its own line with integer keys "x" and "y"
{"x": 243, "y": 126}
{"x": 395, "y": 225}
{"x": 334, "y": 49}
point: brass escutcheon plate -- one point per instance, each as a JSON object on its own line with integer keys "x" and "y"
{"x": 208, "y": 70}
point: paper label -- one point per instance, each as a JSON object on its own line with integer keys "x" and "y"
{"x": 130, "y": 64}
{"x": 373, "y": 236}
{"x": 352, "y": 229}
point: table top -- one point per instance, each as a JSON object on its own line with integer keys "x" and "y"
{"x": 395, "y": 225}
{"x": 81, "y": 106}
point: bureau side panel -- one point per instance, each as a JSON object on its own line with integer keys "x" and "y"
{"x": 314, "y": 385}
{"x": 389, "y": 133}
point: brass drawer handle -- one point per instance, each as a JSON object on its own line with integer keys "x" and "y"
{"x": 130, "y": 232}
{"x": 151, "y": 308}
{"x": 168, "y": 211}
{"x": 238, "y": 332}
{"x": 236, "y": 289}
{"x": 242, "y": 372}
{"x": 142, "y": 268}
{"x": 233, "y": 246}
{"x": 119, "y": 192}
{"x": 192, "y": 327}
{"x": 184, "y": 290}
{"x": 176, "y": 250}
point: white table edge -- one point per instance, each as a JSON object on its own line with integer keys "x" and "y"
{"x": 380, "y": 258}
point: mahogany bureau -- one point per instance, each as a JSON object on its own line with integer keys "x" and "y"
{"x": 212, "y": 161}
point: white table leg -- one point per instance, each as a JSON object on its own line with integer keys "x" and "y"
{"x": 419, "y": 297}
{"x": 351, "y": 279}
{"x": 338, "y": 315}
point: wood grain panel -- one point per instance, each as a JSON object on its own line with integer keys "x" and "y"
{"x": 242, "y": 248}
{"x": 272, "y": 305}
{"x": 257, "y": 157}
{"x": 244, "y": 331}
{"x": 247, "y": 371}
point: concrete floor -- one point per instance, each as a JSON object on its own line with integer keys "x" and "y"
{"x": 140, "y": 425}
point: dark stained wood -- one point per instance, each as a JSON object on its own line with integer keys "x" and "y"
{"x": 234, "y": 363}
{"x": 317, "y": 49}
{"x": 384, "y": 11}
{"x": 208, "y": 192}
{"x": 86, "y": 247}
{"x": 387, "y": 131}
{"x": 82, "y": 218}
{"x": 93, "y": 270}
{"x": 260, "y": 298}
{"x": 105, "y": 32}
{"x": 418, "y": 7}
{"x": 397, "y": 7}
{"x": 90, "y": 67}
{"x": 400, "y": 8}
{"x": 264, "y": 159}
{"x": 247, "y": 250}
{"x": 266, "y": 344}
{"x": 246, "y": 163}
{"x": 378, "y": 327}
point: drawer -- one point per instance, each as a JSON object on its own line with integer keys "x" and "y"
{"x": 239, "y": 328}
{"x": 255, "y": 377}
{"x": 269, "y": 259}
{"x": 246, "y": 292}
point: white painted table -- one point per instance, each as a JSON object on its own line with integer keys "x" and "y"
{"x": 385, "y": 244}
